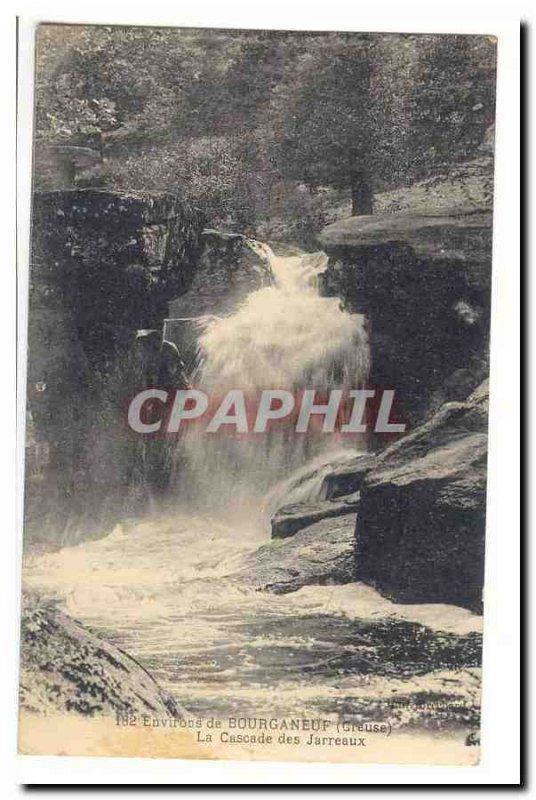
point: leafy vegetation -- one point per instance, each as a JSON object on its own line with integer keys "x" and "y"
{"x": 261, "y": 129}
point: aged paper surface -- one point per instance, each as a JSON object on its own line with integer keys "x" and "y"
{"x": 256, "y": 436}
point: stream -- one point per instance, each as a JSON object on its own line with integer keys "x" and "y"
{"x": 158, "y": 589}
{"x": 165, "y": 587}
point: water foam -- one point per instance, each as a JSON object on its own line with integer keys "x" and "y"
{"x": 284, "y": 336}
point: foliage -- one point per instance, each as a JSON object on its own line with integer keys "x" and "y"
{"x": 252, "y": 126}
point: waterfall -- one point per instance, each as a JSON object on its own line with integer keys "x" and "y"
{"x": 284, "y": 336}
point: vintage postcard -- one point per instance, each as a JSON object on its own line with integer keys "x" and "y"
{"x": 257, "y": 394}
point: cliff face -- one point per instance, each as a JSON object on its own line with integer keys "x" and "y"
{"x": 229, "y": 269}
{"x": 420, "y": 269}
{"x": 103, "y": 268}
{"x": 421, "y": 522}
{"x": 111, "y": 262}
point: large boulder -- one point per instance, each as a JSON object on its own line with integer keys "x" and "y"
{"x": 292, "y": 518}
{"x": 421, "y": 523}
{"x": 67, "y": 669}
{"x": 107, "y": 263}
{"x": 320, "y": 554}
{"x": 346, "y": 479}
{"x": 231, "y": 266}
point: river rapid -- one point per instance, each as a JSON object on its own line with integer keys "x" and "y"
{"x": 163, "y": 590}
{"x": 168, "y": 589}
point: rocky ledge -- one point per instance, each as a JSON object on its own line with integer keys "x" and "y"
{"x": 409, "y": 521}
{"x": 449, "y": 234}
{"x": 292, "y": 518}
{"x": 420, "y": 269}
{"x": 319, "y": 554}
{"x": 67, "y": 669}
{"x": 313, "y": 540}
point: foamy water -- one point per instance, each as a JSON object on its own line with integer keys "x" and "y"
{"x": 160, "y": 589}
{"x": 165, "y": 588}
{"x": 284, "y": 336}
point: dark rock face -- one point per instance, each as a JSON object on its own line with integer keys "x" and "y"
{"x": 229, "y": 269}
{"x": 421, "y": 524}
{"x": 322, "y": 553}
{"x": 421, "y": 272}
{"x": 292, "y": 518}
{"x": 347, "y": 478}
{"x": 104, "y": 266}
{"x": 67, "y": 669}
{"x": 111, "y": 262}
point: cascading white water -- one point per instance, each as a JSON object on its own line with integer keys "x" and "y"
{"x": 284, "y": 336}
{"x": 166, "y": 589}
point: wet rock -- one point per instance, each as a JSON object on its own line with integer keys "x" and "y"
{"x": 67, "y": 669}
{"x": 320, "y": 554}
{"x": 310, "y": 484}
{"x": 230, "y": 268}
{"x": 421, "y": 525}
{"x": 320, "y": 492}
{"x": 292, "y": 518}
{"x": 347, "y": 478}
